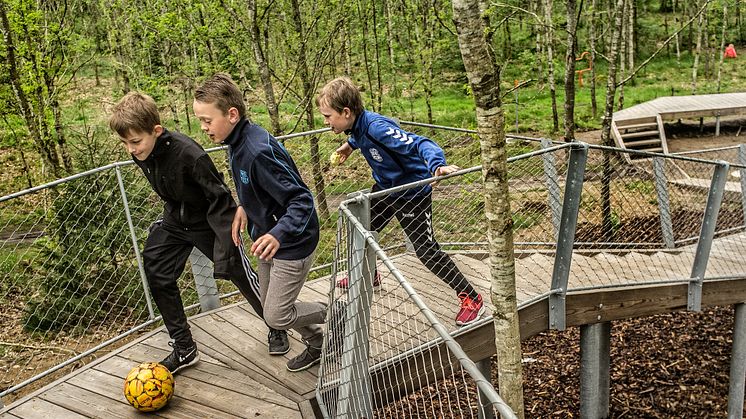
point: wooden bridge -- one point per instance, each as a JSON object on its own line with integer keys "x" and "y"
{"x": 640, "y": 127}
{"x": 237, "y": 377}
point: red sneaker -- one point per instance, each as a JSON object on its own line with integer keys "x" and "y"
{"x": 345, "y": 282}
{"x": 471, "y": 309}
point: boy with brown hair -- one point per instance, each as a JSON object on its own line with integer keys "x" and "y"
{"x": 198, "y": 211}
{"x": 277, "y": 208}
{"x": 397, "y": 157}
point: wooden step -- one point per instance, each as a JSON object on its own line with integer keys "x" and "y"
{"x": 642, "y": 125}
{"x": 640, "y": 134}
{"x": 631, "y": 144}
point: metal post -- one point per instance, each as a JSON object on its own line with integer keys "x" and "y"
{"x": 563, "y": 257}
{"x": 553, "y": 189}
{"x": 1, "y": 403}
{"x": 133, "y": 236}
{"x": 664, "y": 203}
{"x": 204, "y": 281}
{"x": 742, "y": 172}
{"x": 486, "y": 411}
{"x": 709, "y": 220}
{"x": 594, "y": 370}
{"x": 354, "y": 398}
{"x": 737, "y": 364}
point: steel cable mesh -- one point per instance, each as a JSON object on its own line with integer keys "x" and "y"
{"x": 392, "y": 352}
{"x": 69, "y": 277}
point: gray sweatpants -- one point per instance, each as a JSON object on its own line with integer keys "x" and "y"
{"x": 280, "y": 282}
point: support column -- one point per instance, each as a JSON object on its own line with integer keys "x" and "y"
{"x": 204, "y": 281}
{"x": 486, "y": 410}
{"x": 594, "y": 370}
{"x": 737, "y": 364}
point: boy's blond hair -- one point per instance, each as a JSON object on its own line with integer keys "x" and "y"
{"x": 135, "y": 112}
{"x": 341, "y": 93}
{"x": 221, "y": 90}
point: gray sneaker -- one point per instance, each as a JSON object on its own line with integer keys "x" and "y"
{"x": 278, "y": 342}
{"x": 308, "y": 358}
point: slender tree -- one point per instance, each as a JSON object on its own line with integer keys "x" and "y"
{"x": 697, "y": 52}
{"x": 549, "y": 39}
{"x": 572, "y": 45}
{"x": 484, "y": 79}
{"x": 264, "y": 71}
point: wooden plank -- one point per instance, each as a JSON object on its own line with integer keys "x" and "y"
{"x": 247, "y": 350}
{"x": 211, "y": 374}
{"x": 307, "y": 411}
{"x": 89, "y": 403}
{"x": 181, "y": 405}
{"x": 35, "y": 408}
{"x": 627, "y": 135}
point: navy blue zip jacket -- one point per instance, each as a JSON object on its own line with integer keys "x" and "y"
{"x": 395, "y": 156}
{"x": 271, "y": 191}
{"x": 193, "y": 192}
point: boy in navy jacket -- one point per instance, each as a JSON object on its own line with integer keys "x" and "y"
{"x": 397, "y": 157}
{"x": 276, "y": 207}
{"x": 198, "y": 212}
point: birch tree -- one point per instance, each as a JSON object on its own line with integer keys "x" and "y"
{"x": 572, "y": 26}
{"x": 549, "y": 39}
{"x": 484, "y": 79}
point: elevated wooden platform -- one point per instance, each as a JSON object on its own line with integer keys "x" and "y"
{"x": 237, "y": 377}
{"x": 640, "y": 127}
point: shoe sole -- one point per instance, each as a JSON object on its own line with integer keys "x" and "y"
{"x": 303, "y": 368}
{"x": 479, "y": 315}
{"x": 280, "y": 353}
{"x": 181, "y": 367}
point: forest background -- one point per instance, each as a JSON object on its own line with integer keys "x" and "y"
{"x": 63, "y": 63}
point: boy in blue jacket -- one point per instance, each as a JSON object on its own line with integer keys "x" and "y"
{"x": 198, "y": 211}
{"x": 397, "y": 157}
{"x": 276, "y": 207}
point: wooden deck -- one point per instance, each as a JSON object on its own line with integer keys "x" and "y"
{"x": 237, "y": 378}
{"x": 640, "y": 127}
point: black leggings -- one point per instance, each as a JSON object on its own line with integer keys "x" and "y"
{"x": 166, "y": 252}
{"x": 415, "y": 217}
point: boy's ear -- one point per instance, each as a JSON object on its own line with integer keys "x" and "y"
{"x": 233, "y": 115}
{"x": 347, "y": 112}
{"x": 158, "y": 130}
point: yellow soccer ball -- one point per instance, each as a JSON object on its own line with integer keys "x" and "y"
{"x": 149, "y": 386}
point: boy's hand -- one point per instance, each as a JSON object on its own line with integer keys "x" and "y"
{"x": 239, "y": 224}
{"x": 445, "y": 170}
{"x": 265, "y": 247}
{"x": 344, "y": 152}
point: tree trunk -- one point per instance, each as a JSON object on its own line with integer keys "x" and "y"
{"x": 592, "y": 45}
{"x": 622, "y": 51}
{"x": 572, "y": 26}
{"x": 722, "y": 42}
{"x": 484, "y": 79}
{"x": 549, "y": 39}
{"x": 697, "y": 52}
{"x": 606, "y": 139}
{"x": 678, "y": 42}
{"x": 264, "y": 73}
{"x": 305, "y": 77}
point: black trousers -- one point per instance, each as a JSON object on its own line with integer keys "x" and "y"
{"x": 166, "y": 251}
{"x": 415, "y": 217}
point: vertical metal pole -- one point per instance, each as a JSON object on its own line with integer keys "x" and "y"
{"x": 742, "y": 172}
{"x": 486, "y": 411}
{"x": 1, "y": 403}
{"x": 594, "y": 370}
{"x": 354, "y": 399}
{"x": 664, "y": 204}
{"x": 563, "y": 257}
{"x": 553, "y": 189}
{"x": 737, "y": 364}
{"x": 204, "y": 281}
{"x": 709, "y": 220}
{"x": 133, "y": 236}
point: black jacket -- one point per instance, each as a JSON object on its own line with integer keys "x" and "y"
{"x": 194, "y": 193}
{"x": 271, "y": 191}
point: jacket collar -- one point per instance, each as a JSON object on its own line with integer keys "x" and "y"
{"x": 356, "y": 125}
{"x": 162, "y": 142}
{"x": 234, "y": 138}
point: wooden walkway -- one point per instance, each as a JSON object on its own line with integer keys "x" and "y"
{"x": 640, "y": 127}
{"x": 237, "y": 378}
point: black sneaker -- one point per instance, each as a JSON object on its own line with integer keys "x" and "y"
{"x": 181, "y": 357}
{"x": 278, "y": 342}
{"x": 308, "y": 358}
